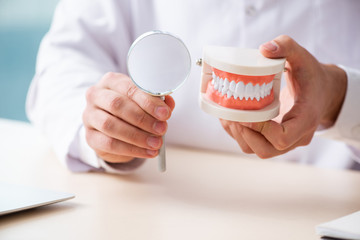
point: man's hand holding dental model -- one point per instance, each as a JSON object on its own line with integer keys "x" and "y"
{"x": 312, "y": 99}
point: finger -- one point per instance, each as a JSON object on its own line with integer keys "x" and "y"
{"x": 304, "y": 87}
{"x": 285, "y": 47}
{"x": 116, "y": 128}
{"x": 170, "y": 102}
{"x": 285, "y": 134}
{"x": 264, "y": 149}
{"x": 226, "y": 125}
{"x": 102, "y": 143}
{"x": 287, "y": 103}
{"x": 123, "y": 108}
{"x": 235, "y": 131}
{"x": 123, "y": 85}
{"x": 259, "y": 144}
{"x": 295, "y": 125}
{"x": 112, "y": 158}
{"x": 300, "y": 63}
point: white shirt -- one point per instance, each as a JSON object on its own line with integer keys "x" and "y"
{"x": 89, "y": 38}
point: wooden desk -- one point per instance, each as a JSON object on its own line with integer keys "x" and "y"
{"x": 203, "y": 195}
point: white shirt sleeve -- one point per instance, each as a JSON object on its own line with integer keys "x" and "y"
{"x": 347, "y": 125}
{"x": 73, "y": 56}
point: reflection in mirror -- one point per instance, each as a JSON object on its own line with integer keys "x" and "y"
{"x": 158, "y": 63}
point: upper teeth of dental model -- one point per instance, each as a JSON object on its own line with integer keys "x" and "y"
{"x": 241, "y": 90}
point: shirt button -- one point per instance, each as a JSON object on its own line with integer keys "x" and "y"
{"x": 250, "y": 10}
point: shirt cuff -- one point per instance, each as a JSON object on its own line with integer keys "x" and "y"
{"x": 94, "y": 163}
{"x": 347, "y": 125}
{"x": 121, "y": 168}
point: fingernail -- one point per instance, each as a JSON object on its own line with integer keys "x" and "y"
{"x": 271, "y": 46}
{"x": 153, "y": 142}
{"x": 162, "y": 112}
{"x": 151, "y": 152}
{"x": 159, "y": 127}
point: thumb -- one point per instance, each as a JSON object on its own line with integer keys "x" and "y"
{"x": 284, "y": 46}
{"x": 169, "y": 100}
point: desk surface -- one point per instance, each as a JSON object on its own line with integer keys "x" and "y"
{"x": 203, "y": 195}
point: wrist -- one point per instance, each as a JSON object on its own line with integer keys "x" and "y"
{"x": 336, "y": 80}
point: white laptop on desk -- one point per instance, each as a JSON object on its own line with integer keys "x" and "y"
{"x": 347, "y": 227}
{"x": 14, "y": 198}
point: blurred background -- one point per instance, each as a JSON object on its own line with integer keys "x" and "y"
{"x": 23, "y": 23}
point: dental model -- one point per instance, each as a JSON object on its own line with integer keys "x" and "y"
{"x": 240, "y": 84}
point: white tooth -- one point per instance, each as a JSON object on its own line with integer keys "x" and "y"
{"x": 257, "y": 92}
{"x": 240, "y": 88}
{"x": 226, "y": 86}
{"x": 221, "y": 84}
{"x": 249, "y": 90}
{"x": 213, "y": 81}
{"x": 262, "y": 90}
{"x": 267, "y": 90}
{"x": 232, "y": 86}
{"x": 271, "y": 85}
{"x": 229, "y": 94}
{"x": 224, "y": 91}
{"x": 216, "y": 85}
{"x": 213, "y": 75}
{"x": 235, "y": 95}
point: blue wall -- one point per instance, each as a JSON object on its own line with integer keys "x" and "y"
{"x": 23, "y": 23}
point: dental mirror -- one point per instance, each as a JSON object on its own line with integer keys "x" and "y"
{"x": 158, "y": 63}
